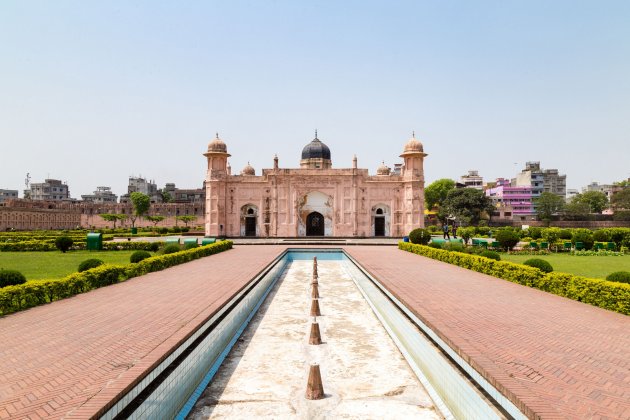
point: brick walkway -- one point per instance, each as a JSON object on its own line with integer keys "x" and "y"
{"x": 69, "y": 358}
{"x": 553, "y": 357}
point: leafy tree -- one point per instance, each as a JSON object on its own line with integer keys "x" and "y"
{"x": 596, "y": 200}
{"x": 141, "y": 203}
{"x": 548, "y": 204}
{"x": 435, "y": 194}
{"x": 621, "y": 200}
{"x": 186, "y": 219}
{"x": 466, "y": 233}
{"x": 625, "y": 183}
{"x": 155, "y": 219}
{"x": 508, "y": 238}
{"x": 166, "y": 196}
{"x": 111, "y": 217}
{"x": 576, "y": 211}
{"x": 465, "y": 205}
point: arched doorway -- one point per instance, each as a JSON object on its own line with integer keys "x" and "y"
{"x": 379, "y": 223}
{"x": 249, "y": 217}
{"x": 315, "y": 224}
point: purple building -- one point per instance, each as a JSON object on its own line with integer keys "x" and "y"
{"x": 512, "y": 202}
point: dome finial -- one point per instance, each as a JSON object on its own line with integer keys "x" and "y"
{"x": 413, "y": 134}
{"x": 217, "y": 134}
{"x": 316, "y": 133}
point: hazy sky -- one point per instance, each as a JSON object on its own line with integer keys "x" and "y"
{"x": 93, "y": 92}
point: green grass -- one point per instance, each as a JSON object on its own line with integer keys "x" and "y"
{"x": 54, "y": 264}
{"x": 587, "y": 266}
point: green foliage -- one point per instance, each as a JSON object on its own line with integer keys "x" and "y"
{"x": 11, "y": 278}
{"x": 467, "y": 205}
{"x": 420, "y": 236}
{"x": 34, "y": 293}
{"x": 552, "y": 234}
{"x": 170, "y": 249}
{"x": 466, "y": 233}
{"x": 63, "y": 243}
{"x": 619, "y": 276}
{"x": 436, "y": 245}
{"x": 138, "y": 256}
{"x": 146, "y": 246}
{"x": 141, "y": 203}
{"x": 595, "y": 200}
{"x": 89, "y": 264}
{"x": 491, "y": 254}
{"x": 621, "y": 200}
{"x": 540, "y": 264}
{"x": 535, "y": 232}
{"x": 186, "y": 219}
{"x": 585, "y": 236}
{"x": 191, "y": 245}
{"x": 548, "y": 204}
{"x": 453, "y": 246}
{"x": 436, "y": 192}
{"x": 602, "y": 293}
{"x": 601, "y": 235}
{"x": 507, "y": 237}
{"x": 155, "y": 219}
{"x": 577, "y": 211}
{"x": 565, "y": 234}
{"x": 112, "y": 217}
{"x": 622, "y": 215}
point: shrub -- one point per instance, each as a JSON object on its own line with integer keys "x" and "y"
{"x": 63, "y": 243}
{"x": 619, "y": 276}
{"x": 163, "y": 230}
{"x": 191, "y": 245}
{"x": 453, "y": 246}
{"x": 419, "y": 236}
{"x": 535, "y": 232}
{"x": 491, "y": 254}
{"x": 585, "y": 236}
{"x": 89, "y": 264}
{"x": 138, "y": 256}
{"x": 435, "y": 245}
{"x": 170, "y": 249}
{"x": 565, "y": 234}
{"x": 433, "y": 229}
{"x": 540, "y": 264}
{"x": 482, "y": 230}
{"x": 466, "y": 233}
{"x": 11, "y": 278}
{"x": 601, "y": 235}
{"x": 508, "y": 238}
{"x": 551, "y": 235}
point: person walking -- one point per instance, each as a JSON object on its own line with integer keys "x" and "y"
{"x": 445, "y": 231}
{"x": 454, "y": 230}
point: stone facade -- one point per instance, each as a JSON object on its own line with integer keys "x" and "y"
{"x": 315, "y": 199}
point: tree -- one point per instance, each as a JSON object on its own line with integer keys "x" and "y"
{"x": 436, "y": 193}
{"x": 596, "y": 200}
{"x": 465, "y": 205}
{"x": 166, "y": 196}
{"x": 63, "y": 243}
{"x": 155, "y": 219}
{"x": 141, "y": 203}
{"x": 576, "y": 211}
{"x": 548, "y": 204}
{"x": 111, "y": 217}
{"x": 621, "y": 200}
{"x": 186, "y": 219}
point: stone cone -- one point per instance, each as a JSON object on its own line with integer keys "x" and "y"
{"x": 315, "y": 271}
{"x": 315, "y": 308}
{"x": 314, "y": 387}
{"x": 314, "y": 281}
{"x": 315, "y": 337}
{"x": 315, "y": 291}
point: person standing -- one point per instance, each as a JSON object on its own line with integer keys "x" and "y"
{"x": 454, "y": 230}
{"x": 445, "y": 231}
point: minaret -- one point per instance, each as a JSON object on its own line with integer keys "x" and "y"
{"x": 413, "y": 181}
{"x": 354, "y": 162}
{"x": 216, "y": 178}
{"x": 275, "y": 162}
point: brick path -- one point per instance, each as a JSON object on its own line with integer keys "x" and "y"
{"x": 71, "y": 357}
{"x": 553, "y": 357}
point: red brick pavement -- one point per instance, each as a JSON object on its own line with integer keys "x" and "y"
{"x": 71, "y": 357}
{"x": 553, "y": 357}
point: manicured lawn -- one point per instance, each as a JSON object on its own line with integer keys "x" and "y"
{"x": 54, "y": 264}
{"x": 594, "y": 267}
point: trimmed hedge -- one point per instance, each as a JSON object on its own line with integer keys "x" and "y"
{"x": 130, "y": 246}
{"x": 539, "y": 264}
{"x": 138, "y": 256}
{"x": 38, "y": 292}
{"x": 11, "y": 278}
{"x": 619, "y": 276}
{"x": 493, "y": 255}
{"x": 89, "y": 264}
{"x": 597, "y": 292}
{"x": 49, "y": 245}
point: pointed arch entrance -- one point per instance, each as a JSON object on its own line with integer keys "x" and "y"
{"x": 315, "y": 224}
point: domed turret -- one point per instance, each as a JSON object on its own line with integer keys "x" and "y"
{"x": 315, "y": 155}
{"x": 382, "y": 170}
{"x": 413, "y": 145}
{"x": 248, "y": 170}
{"x": 217, "y": 146}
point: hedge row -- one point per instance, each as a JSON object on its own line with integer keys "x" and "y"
{"x": 133, "y": 246}
{"x": 25, "y": 246}
{"x": 34, "y": 293}
{"x": 48, "y": 238}
{"x": 596, "y": 292}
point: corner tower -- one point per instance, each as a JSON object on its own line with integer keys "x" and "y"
{"x": 413, "y": 184}
{"x": 216, "y": 181}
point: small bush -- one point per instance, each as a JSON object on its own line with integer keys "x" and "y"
{"x": 163, "y": 230}
{"x": 601, "y": 235}
{"x": 89, "y": 264}
{"x": 11, "y": 278}
{"x": 565, "y": 234}
{"x": 191, "y": 245}
{"x": 507, "y": 237}
{"x": 420, "y": 236}
{"x": 138, "y": 256}
{"x": 435, "y": 245}
{"x": 170, "y": 249}
{"x": 619, "y": 276}
{"x": 154, "y": 246}
{"x": 453, "y": 246}
{"x": 542, "y": 265}
{"x": 535, "y": 232}
{"x": 585, "y": 236}
{"x": 491, "y": 254}
{"x": 63, "y": 243}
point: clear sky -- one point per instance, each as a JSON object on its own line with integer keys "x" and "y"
{"x": 93, "y": 92}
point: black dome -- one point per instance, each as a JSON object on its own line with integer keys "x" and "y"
{"x": 316, "y": 150}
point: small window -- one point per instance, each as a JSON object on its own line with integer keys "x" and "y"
{"x": 250, "y": 211}
{"x": 379, "y": 211}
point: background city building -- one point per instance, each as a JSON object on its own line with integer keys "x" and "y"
{"x": 472, "y": 180}
{"x": 49, "y": 190}
{"x": 8, "y": 195}
{"x": 101, "y": 195}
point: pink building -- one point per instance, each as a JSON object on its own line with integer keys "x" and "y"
{"x": 512, "y": 202}
{"x": 314, "y": 199}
